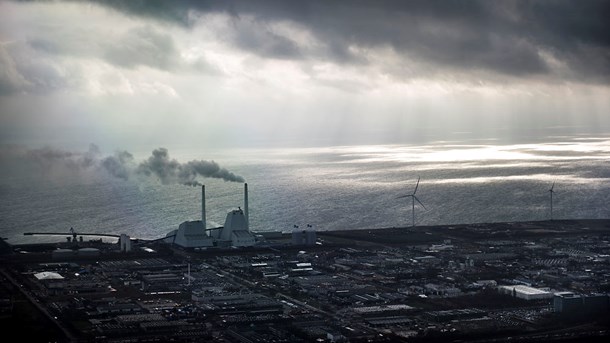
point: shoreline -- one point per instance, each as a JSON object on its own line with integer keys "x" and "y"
{"x": 410, "y": 234}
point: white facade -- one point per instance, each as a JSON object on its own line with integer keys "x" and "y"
{"x": 236, "y": 220}
{"x": 236, "y": 230}
{"x": 190, "y": 235}
{"x": 525, "y": 292}
{"x": 48, "y": 276}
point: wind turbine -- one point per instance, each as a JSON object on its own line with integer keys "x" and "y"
{"x": 551, "y": 194}
{"x": 413, "y": 199}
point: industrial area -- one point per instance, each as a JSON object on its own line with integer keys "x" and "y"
{"x": 498, "y": 282}
{"x": 191, "y": 234}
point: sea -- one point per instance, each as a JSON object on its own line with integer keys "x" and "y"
{"x": 325, "y": 188}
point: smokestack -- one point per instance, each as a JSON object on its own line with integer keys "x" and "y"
{"x": 246, "y": 213}
{"x": 203, "y": 206}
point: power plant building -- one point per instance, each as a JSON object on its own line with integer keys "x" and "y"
{"x": 235, "y": 232}
{"x": 190, "y": 234}
{"x": 304, "y": 237}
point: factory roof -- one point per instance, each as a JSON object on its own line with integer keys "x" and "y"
{"x": 373, "y": 309}
{"x": 48, "y": 276}
{"x": 525, "y": 289}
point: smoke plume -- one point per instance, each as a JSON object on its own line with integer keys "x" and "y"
{"x": 171, "y": 171}
{"x": 49, "y": 158}
{"x": 52, "y": 162}
{"x": 118, "y": 165}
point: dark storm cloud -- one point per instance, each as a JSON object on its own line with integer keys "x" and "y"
{"x": 170, "y": 171}
{"x": 266, "y": 43}
{"x": 505, "y": 37}
{"x": 171, "y": 11}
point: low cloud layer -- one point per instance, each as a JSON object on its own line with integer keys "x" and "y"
{"x": 159, "y": 166}
{"x": 270, "y": 73}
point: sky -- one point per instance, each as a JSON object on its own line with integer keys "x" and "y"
{"x": 197, "y": 75}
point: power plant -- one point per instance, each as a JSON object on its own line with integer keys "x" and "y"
{"x": 195, "y": 234}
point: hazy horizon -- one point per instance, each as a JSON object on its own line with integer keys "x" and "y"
{"x": 331, "y": 188}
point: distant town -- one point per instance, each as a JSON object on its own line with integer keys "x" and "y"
{"x": 500, "y": 282}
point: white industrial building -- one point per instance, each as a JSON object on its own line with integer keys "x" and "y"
{"x": 48, "y": 276}
{"x": 195, "y": 234}
{"x": 190, "y": 234}
{"x": 525, "y": 292}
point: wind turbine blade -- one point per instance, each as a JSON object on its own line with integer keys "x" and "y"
{"x": 553, "y": 186}
{"x": 420, "y": 203}
{"x": 417, "y": 185}
{"x": 403, "y": 196}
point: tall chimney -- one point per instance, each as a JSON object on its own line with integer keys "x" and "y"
{"x": 203, "y": 206}
{"x": 246, "y": 213}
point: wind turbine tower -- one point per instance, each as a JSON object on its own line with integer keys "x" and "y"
{"x": 551, "y": 194}
{"x": 413, "y": 199}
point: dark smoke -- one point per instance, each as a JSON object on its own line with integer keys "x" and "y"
{"x": 90, "y": 158}
{"x": 52, "y": 162}
{"x": 118, "y": 165}
{"x": 48, "y": 158}
{"x": 171, "y": 171}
